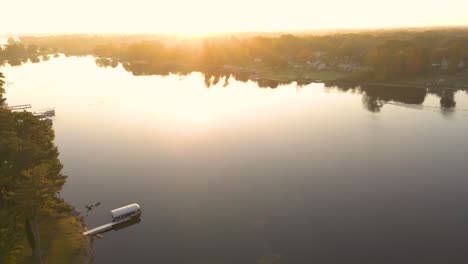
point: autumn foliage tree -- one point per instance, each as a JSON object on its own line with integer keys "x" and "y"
{"x": 2, "y": 90}
{"x": 30, "y": 177}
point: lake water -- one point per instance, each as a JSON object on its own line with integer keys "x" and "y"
{"x": 242, "y": 174}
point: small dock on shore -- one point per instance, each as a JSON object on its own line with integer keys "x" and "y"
{"x": 45, "y": 114}
{"x": 19, "y": 107}
{"x": 48, "y": 113}
{"x": 103, "y": 228}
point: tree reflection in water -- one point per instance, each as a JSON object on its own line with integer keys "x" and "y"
{"x": 375, "y": 97}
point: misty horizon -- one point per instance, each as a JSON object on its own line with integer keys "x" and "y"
{"x": 209, "y": 17}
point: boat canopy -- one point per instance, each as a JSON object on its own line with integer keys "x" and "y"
{"x": 128, "y": 209}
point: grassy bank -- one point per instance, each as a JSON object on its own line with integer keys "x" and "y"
{"x": 298, "y": 74}
{"x": 60, "y": 236}
{"x": 434, "y": 81}
{"x": 291, "y": 74}
{"x": 457, "y": 81}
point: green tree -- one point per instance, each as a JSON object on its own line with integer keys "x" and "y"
{"x": 11, "y": 41}
{"x": 30, "y": 176}
{"x": 2, "y": 90}
{"x": 32, "y": 49}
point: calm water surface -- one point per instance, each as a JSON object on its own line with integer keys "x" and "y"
{"x": 240, "y": 174}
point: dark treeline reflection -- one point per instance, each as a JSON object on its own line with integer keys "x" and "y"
{"x": 373, "y": 97}
{"x": 103, "y": 62}
{"x": 212, "y": 76}
{"x": 16, "y": 53}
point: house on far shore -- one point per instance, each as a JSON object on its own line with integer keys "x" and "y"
{"x": 319, "y": 54}
{"x": 444, "y": 65}
{"x": 463, "y": 64}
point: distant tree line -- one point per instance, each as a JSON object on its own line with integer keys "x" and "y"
{"x": 16, "y": 53}
{"x": 377, "y": 55}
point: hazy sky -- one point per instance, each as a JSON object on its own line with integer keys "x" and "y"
{"x": 202, "y": 16}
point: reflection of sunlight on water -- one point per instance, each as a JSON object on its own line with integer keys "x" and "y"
{"x": 239, "y": 158}
{"x": 200, "y": 116}
{"x": 112, "y": 99}
{"x": 173, "y": 112}
{"x": 107, "y": 104}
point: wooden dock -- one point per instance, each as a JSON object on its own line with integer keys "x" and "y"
{"x": 19, "y": 107}
{"x": 45, "y": 114}
{"x": 103, "y": 228}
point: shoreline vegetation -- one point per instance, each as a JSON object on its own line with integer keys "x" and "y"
{"x": 36, "y": 225}
{"x": 435, "y": 58}
{"x": 383, "y": 66}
